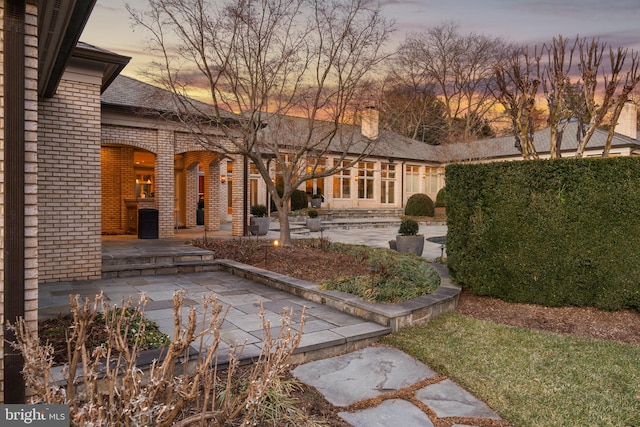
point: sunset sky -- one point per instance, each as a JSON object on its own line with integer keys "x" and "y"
{"x": 616, "y": 22}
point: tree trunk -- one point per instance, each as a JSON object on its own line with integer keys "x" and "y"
{"x": 285, "y": 230}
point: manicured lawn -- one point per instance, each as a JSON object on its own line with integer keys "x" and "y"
{"x": 532, "y": 378}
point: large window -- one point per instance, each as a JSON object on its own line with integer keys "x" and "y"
{"x": 387, "y": 183}
{"x": 365, "y": 180}
{"x": 342, "y": 182}
{"x": 431, "y": 177}
{"x": 315, "y": 186}
{"x": 412, "y": 179}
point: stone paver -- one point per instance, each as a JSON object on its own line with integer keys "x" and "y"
{"x": 363, "y": 374}
{"x": 390, "y": 413}
{"x": 243, "y": 323}
{"x": 448, "y": 399}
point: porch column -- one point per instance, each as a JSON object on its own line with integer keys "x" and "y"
{"x": 238, "y": 194}
{"x": 165, "y": 184}
{"x": 191, "y": 181}
{"x": 212, "y": 198}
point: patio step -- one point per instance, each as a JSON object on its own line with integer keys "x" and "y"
{"x": 153, "y": 264}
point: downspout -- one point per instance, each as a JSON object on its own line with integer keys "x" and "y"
{"x": 14, "y": 197}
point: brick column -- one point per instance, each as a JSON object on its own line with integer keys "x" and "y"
{"x": 191, "y": 179}
{"x": 212, "y": 198}
{"x": 165, "y": 177}
{"x": 237, "y": 196}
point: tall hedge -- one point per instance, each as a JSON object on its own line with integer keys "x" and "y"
{"x": 552, "y": 232}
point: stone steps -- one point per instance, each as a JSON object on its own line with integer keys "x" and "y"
{"x": 151, "y": 264}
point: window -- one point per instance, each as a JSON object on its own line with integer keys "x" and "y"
{"x": 316, "y": 185}
{"x": 431, "y": 177}
{"x": 387, "y": 183}
{"x": 412, "y": 179}
{"x": 365, "y": 180}
{"x": 342, "y": 182}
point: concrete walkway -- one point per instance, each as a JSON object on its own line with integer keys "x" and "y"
{"x": 395, "y": 388}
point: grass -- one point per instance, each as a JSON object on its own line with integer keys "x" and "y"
{"x": 532, "y": 378}
{"x": 394, "y": 276}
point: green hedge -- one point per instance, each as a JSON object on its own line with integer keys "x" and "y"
{"x": 552, "y": 232}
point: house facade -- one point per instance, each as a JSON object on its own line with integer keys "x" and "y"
{"x": 83, "y": 150}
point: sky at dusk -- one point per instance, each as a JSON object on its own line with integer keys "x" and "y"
{"x": 530, "y": 22}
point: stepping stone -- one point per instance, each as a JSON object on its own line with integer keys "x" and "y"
{"x": 363, "y": 374}
{"x": 448, "y": 399}
{"x": 390, "y": 413}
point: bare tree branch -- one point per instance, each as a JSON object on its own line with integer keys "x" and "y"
{"x": 266, "y": 58}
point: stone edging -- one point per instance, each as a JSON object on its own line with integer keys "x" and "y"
{"x": 395, "y": 316}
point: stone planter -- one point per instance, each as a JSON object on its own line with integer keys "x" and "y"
{"x": 410, "y": 244}
{"x": 262, "y": 223}
{"x": 316, "y": 203}
{"x": 314, "y": 224}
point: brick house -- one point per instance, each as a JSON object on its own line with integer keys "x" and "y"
{"x": 82, "y": 149}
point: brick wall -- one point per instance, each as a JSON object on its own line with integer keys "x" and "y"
{"x": 117, "y": 182}
{"x": 69, "y": 191}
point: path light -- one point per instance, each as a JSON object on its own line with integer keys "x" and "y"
{"x": 442, "y": 252}
{"x": 275, "y": 244}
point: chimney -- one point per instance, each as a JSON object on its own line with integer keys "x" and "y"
{"x": 369, "y": 125}
{"x": 628, "y": 121}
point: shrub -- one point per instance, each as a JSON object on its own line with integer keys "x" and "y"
{"x": 441, "y": 198}
{"x": 299, "y": 200}
{"x": 312, "y": 213}
{"x": 408, "y": 227}
{"x": 419, "y": 205}
{"x": 550, "y": 232}
{"x": 259, "y": 210}
{"x": 395, "y": 277}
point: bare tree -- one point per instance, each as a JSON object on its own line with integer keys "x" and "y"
{"x": 613, "y": 97}
{"x": 412, "y": 110}
{"x": 555, "y": 78}
{"x": 460, "y": 68}
{"x": 264, "y": 59}
{"x": 517, "y": 88}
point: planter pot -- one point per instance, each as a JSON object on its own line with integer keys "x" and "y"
{"x": 392, "y": 245}
{"x": 313, "y": 224}
{"x": 316, "y": 203}
{"x": 410, "y": 244}
{"x": 262, "y": 223}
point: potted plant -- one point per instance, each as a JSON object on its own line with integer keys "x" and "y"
{"x": 316, "y": 200}
{"x": 408, "y": 240}
{"x": 313, "y": 222}
{"x": 260, "y": 219}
